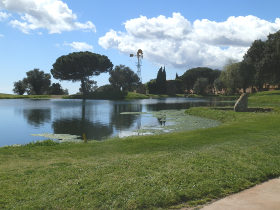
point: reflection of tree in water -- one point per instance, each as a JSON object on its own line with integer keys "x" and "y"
{"x": 37, "y": 117}
{"x": 212, "y": 102}
{"x": 80, "y": 126}
{"x": 76, "y": 126}
{"x": 123, "y": 121}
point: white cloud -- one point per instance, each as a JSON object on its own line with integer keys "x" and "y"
{"x": 177, "y": 42}
{"x": 80, "y": 46}
{"x": 4, "y": 16}
{"x": 52, "y": 15}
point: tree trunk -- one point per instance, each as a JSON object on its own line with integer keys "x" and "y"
{"x": 83, "y": 88}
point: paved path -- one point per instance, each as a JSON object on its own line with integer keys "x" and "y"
{"x": 265, "y": 196}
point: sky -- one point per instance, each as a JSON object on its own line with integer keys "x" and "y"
{"x": 179, "y": 34}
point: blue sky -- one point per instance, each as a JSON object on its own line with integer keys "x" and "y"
{"x": 179, "y": 34}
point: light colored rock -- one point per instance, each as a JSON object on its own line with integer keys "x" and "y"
{"x": 242, "y": 103}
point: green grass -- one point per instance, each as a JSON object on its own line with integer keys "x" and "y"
{"x": 161, "y": 171}
{"x": 10, "y": 96}
{"x": 132, "y": 95}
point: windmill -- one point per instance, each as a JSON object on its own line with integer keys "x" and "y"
{"x": 139, "y": 57}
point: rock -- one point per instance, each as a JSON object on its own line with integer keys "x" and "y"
{"x": 242, "y": 103}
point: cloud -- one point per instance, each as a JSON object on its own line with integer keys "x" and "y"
{"x": 177, "y": 42}
{"x": 1, "y": 35}
{"x": 4, "y": 16}
{"x": 80, "y": 46}
{"x": 52, "y": 15}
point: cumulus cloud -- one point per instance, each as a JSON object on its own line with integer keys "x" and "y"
{"x": 177, "y": 42}
{"x": 52, "y": 15}
{"x": 80, "y": 46}
{"x": 4, "y": 16}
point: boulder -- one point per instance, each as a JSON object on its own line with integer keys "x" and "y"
{"x": 241, "y": 104}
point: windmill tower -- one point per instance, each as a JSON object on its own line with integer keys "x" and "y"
{"x": 139, "y": 57}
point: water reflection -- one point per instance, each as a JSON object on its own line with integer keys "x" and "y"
{"x": 37, "y": 117}
{"x": 76, "y": 126}
{"x": 124, "y": 121}
{"x": 97, "y": 119}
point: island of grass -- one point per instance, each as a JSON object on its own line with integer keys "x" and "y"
{"x": 161, "y": 171}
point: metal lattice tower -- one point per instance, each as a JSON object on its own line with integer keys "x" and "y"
{"x": 139, "y": 56}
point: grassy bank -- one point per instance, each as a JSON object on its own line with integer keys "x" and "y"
{"x": 161, "y": 171}
{"x": 11, "y": 96}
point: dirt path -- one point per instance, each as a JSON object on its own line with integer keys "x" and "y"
{"x": 265, "y": 196}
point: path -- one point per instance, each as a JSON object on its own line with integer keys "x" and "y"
{"x": 265, "y": 196}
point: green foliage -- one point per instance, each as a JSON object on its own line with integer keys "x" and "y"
{"x": 42, "y": 143}
{"x": 79, "y": 66}
{"x": 262, "y": 60}
{"x": 161, "y": 81}
{"x": 123, "y": 78}
{"x": 151, "y": 86}
{"x": 231, "y": 77}
{"x": 190, "y": 76}
{"x": 200, "y": 86}
{"x": 132, "y": 95}
{"x": 56, "y": 89}
{"x": 107, "y": 92}
{"x": 37, "y": 82}
{"x": 19, "y": 87}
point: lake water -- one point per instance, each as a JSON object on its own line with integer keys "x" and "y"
{"x": 97, "y": 119}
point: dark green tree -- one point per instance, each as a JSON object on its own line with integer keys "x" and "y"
{"x": 200, "y": 86}
{"x": 253, "y": 62}
{"x": 270, "y": 63}
{"x": 37, "y": 82}
{"x": 190, "y": 76}
{"x": 56, "y": 89}
{"x": 123, "y": 78}
{"x": 79, "y": 66}
{"x": 19, "y": 87}
{"x": 161, "y": 81}
{"x": 231, "y": 77}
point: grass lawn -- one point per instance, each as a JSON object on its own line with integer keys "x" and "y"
{"x": 161, "y": 171}
{"x": 11, "y": 96}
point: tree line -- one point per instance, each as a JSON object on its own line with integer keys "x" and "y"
{"x": 260, "y": 66}
{"x": 79, "y": 66}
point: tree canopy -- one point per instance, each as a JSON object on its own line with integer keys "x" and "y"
{"x": 37, "y": 82}
{"x": 79, "y": 66}
{"x": 122, "y": 77}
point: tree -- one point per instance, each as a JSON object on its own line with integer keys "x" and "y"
{"x": 37, "y": 82}
{"x": 190, "y": 76}
{"x": 90, "y": 86}
{"x": 253, "y": 60}
{"x": 79, "y": 66}
{"x": 200, "y": 86}
{"x": 19, "y": 87}
{"x": 56, "y": 89}
{"x": 161, "y": 81}
{"x": 123, "y": 78}
{"x": 231, "y": 77}
{"x": 270, "y": 63}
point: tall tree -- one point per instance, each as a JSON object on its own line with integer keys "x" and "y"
{"x": 79, "y": 66}
{"x": 123, "y": 78}
{"x": 19, "y": 87}
{"x": 231, "y": 77}
{"x": 37, "y": 82}
{"x": 253, "y": 61}
{"x": 161, "y": 81}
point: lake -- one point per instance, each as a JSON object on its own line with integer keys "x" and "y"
{"x": 96, "y": 119}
